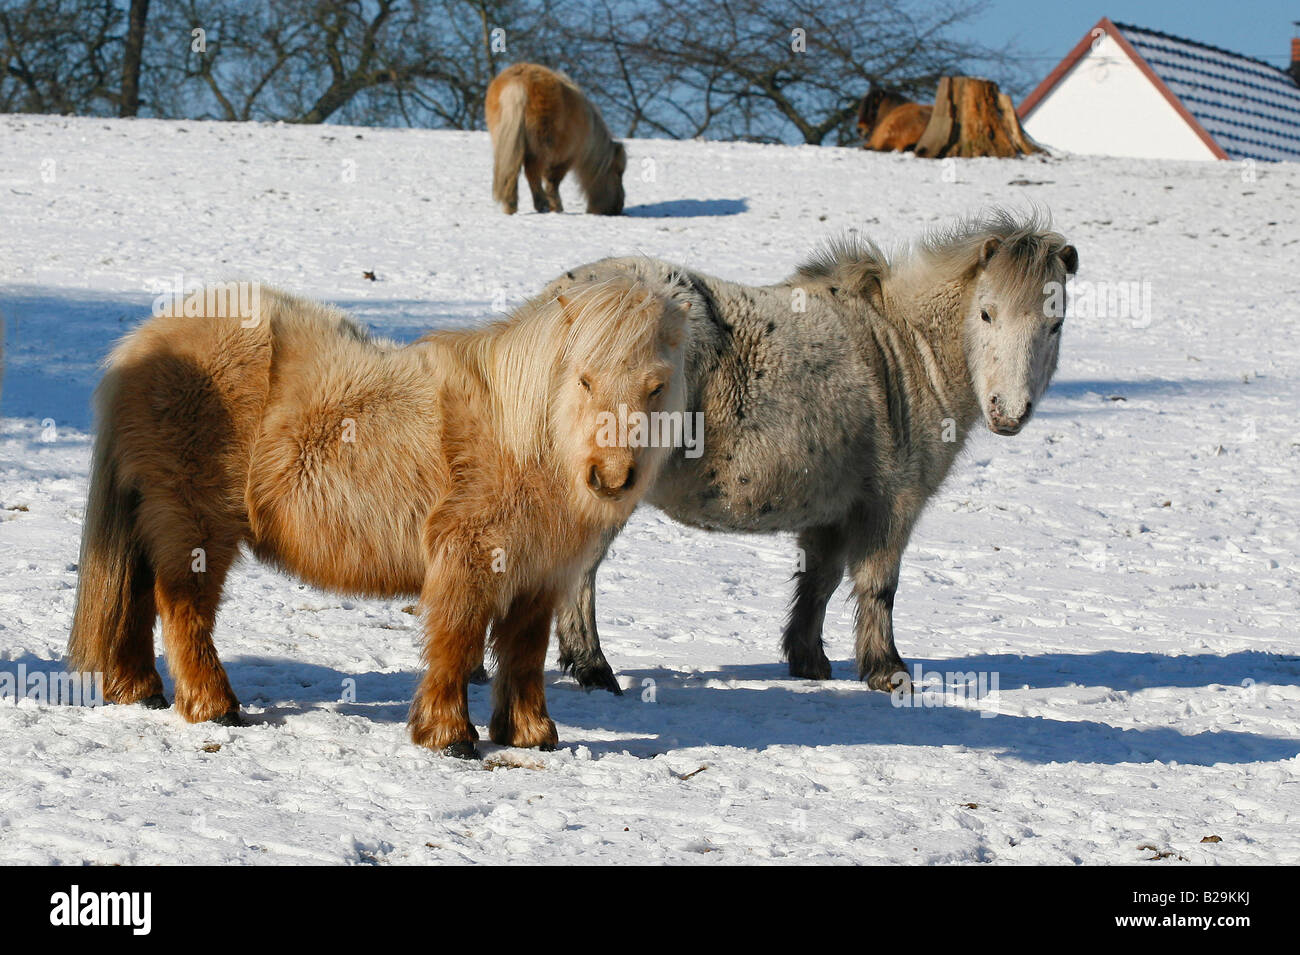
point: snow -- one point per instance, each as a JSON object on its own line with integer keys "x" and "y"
{"x": 1126, "y": 567}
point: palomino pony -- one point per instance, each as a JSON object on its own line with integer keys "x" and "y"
{"x": 540, "y": 120}
{"x": 464, "y": 468}
{"x": 888, "y": 120}
{"x": 835, "y": 403}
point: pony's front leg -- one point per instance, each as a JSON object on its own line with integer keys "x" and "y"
{"x": 519, "y": 639}
{"x": 575, "y": 630}
{"x": 458, "y": 603}
{"x": 875, "y": 581}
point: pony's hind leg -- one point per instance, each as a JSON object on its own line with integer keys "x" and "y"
{"x": 554, "y": 176}
{"x": 187, "y": 592}
{"x": 823, "y": 554}
{"x": 519, "y": 639}
{"x": 533, "y": 173}
{"x": 132, "y": 675}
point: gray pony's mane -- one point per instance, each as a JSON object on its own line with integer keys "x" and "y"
{"x": 1026, "y": 244}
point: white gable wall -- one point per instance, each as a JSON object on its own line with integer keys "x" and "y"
{"x": 1106, "y": 106}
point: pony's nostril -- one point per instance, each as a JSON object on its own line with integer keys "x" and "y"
{"x": 621, "y": 484}
{"x": 995, "y": 401}
{"x": 593, "y": 478}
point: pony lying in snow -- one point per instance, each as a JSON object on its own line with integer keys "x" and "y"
{"x": 835, "y": 403}
{"x": 889, "y": 121}
{"x": 539, "y": 120}
{"x": 464, "y": 468}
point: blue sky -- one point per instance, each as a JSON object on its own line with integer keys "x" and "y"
{"x": 1044, "y": 30}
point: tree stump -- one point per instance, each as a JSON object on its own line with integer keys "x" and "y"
{"x": 973, "y": 118}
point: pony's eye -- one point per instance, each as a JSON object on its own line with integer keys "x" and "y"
{"x": 1057, "y": 327}
{"x": 585, "y": 383}
{"x": 658, "y": 390}
{"x": 985, "y": 315}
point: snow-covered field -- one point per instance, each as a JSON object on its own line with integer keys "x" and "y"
{"x": 1126, "y": 567}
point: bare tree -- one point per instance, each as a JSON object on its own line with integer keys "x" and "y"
{"x": 772, "y": 70}
{"x": 766, "y": 70}
{"x": 59, "y": 56}
{"x": 132, "y": 54}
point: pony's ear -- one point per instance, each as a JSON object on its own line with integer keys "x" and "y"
{"x": 565, "y": 306}
{"x": 1070, "y": 256}
{"x": 989, "y": 247}
{"x": 673, "y": 329}
{"x": 875, "y": 293}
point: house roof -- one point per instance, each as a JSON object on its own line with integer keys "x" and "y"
{"x": 1241, "y": 107}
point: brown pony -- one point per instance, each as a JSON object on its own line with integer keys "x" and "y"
{"x": 887, "y": 120}
{"x": 467, "y": 468}
{"x": 540, "y": 119}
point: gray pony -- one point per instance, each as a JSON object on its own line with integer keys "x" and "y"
{"x": 834, "y": 404}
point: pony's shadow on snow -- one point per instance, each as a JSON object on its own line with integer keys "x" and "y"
{"x": 708, "y": 708}
{"x": 55, "y": 340}
{"x": 688, "y": 208}
{"x": 697, "y": 711}
{"x": 1142, "y": 388}
{"x": 1118, "y": 670}
{"x": 53, "y": 344}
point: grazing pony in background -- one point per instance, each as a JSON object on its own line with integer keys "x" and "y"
{"x": 539, "y": 119}
{"x": 888, "y": 120}
{"x": 467, "y": 468}
{"x": 834, "y": 406}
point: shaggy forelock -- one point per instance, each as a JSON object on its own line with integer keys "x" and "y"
{"x": 592, "y": 335}
{"x": 602, "y": 321}
{"x": 1026, "y": 256}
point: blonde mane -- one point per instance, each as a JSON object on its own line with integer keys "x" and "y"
{"x": 518, "y": 359}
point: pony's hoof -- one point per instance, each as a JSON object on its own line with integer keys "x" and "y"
{"x": 889, "y": 678}
{"x": 811, "y": 669}
{"x": 480, "y": 676}
{"x": 598, "y": 677}
{"x": 592, "y": 674}
{"x": 230, "y": 718}
{"x": 155, "y": 702}
{"x": 463, "y": 749}
{"x": 535, "y": 734}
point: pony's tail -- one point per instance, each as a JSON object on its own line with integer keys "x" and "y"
{"x": 508, "y": 140}
{"x": 115, "y": 578}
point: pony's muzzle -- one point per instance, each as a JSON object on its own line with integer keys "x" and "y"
{"x": 610, "y": 480}
{"x": 1006, "y": 424}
